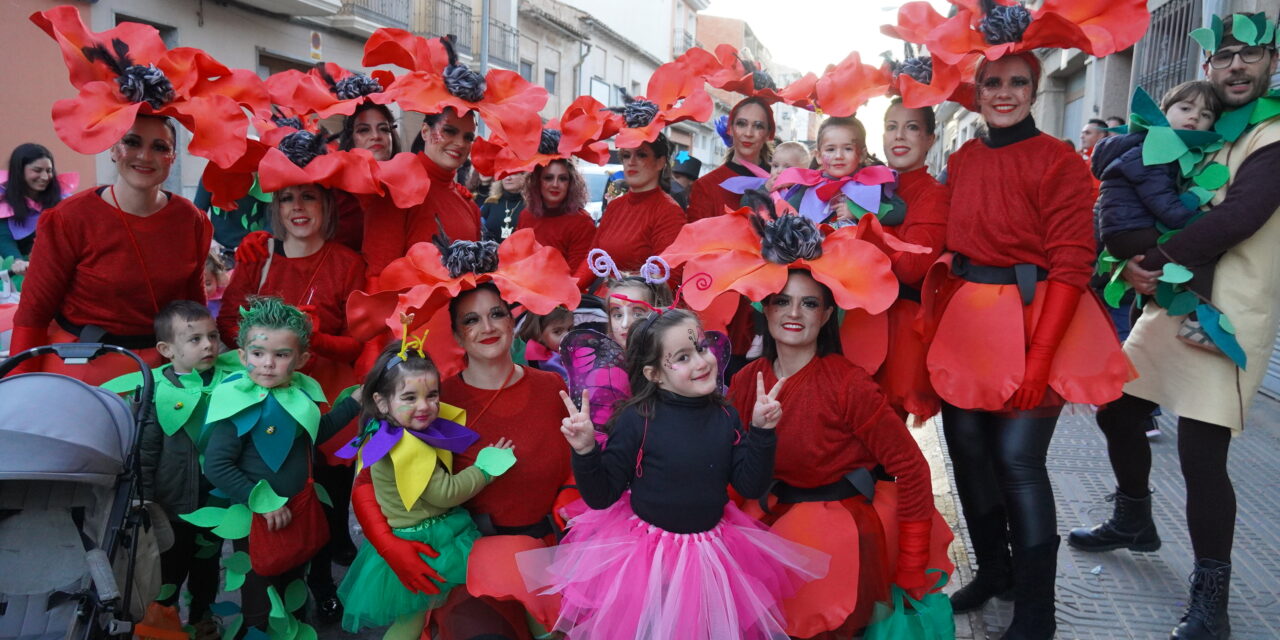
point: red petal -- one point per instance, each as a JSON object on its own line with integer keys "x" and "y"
{"x": 848, "y": 86}
{"x": 405, "y": 178}
{"x": 915, "y": 21}
{"x": 226, "y": 186}
{"x": 534, "y": 275}
{"x": 94, "y": 120}
{"x": 858, "y": 274}
{"x": 64, "y": 25}
{"x": 510, "y": 107}
{"x": 218, "y": 127}
{"x": 405, "y": 50}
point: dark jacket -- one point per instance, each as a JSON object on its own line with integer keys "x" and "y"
{"x": 1133, "y": 195}
{"x": 171, "y": 464}
{"x": 494, "y": 215}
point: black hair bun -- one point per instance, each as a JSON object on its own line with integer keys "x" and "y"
{"x": 919, "y": 68}
{"x": 458, "y": 79}
{"x": 550, "y": 142}
{"x": 138, "y": 83}
{"x": 355, "y": 86}
{"x": 783, "y": 239}
{"x": 637, "y": 112}
{"x": 301, "y": 147}
{"x": 467, "y": 256}
{"x": 1003, "y": 23}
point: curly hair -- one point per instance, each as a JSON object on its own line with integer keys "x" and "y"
{"x": 574, "y": 200}
{"x": 272, "y": 313}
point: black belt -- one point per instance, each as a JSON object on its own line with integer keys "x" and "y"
{"x": 539, "y": 529}
{"x": 94, "y": 333}
{"x": 859, "y": 482}
{"x": 1025, "y": 275}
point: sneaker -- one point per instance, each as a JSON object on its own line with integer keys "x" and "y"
{"x": 1153, "y": 428}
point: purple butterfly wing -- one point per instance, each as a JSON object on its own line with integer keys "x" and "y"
{"x": 594, "y": 364}
{"x": 719, "y": 345}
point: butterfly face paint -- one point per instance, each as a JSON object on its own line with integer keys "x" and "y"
{"x": 688, "y": 366}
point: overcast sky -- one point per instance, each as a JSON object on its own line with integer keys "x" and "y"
{"x": 810, "y": 34}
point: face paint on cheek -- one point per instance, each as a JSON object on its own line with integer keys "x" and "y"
{"x": 436, "y": 137}
{"x": 404, "y": 414}
{"x": 668, "y": 363}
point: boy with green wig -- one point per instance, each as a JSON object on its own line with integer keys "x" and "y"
{"x": 261, "y": 428}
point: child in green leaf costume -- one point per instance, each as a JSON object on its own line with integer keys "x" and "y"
{"x": 408, "y": 447}
{"x": 262, "y": 427}
{"x": 170, "y": 447}
{"x": 1147, "y": 174}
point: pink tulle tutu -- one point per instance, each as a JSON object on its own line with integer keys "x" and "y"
{"x": 621, "y": 577}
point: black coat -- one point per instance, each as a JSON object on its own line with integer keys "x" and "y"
{"x": 1134, "y": 195}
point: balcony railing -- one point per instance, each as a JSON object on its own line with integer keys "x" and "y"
{"x": 682, "y": 42}
{"x": 504, "y": 44}
{"x": 387, "y": 13}
{"x": 444, "y": 17}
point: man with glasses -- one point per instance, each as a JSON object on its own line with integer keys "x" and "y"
{"x": 1208, "y": 390}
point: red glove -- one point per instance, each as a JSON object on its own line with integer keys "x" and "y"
{"x": 313, "y": 315}
{"x": 403, "y": 556}
{"x": 24, "y": 338}
{"x": 1060, "y": 301}
{"x": 913, "y": 557}
{"x": 253, "y": 247}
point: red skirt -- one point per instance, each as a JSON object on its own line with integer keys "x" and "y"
{"x": 980, "y": 333}
{"x": 890, "y": 347}
{"x": 862, "y": 541}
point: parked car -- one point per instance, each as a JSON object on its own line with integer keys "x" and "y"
{"x": 597, "y": 178}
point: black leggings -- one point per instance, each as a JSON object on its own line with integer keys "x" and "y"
{"x": 1202, "y": 452}
{"x": 999, "y": 460}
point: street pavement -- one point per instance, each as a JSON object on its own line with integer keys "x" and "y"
{"x": 1125, "y": 595}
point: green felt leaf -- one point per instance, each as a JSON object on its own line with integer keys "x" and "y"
{"x": 1211, "y": 320}
{"x": 1213, "y": 177}
{"x": 233, "y": 582}
{"x": 278, "y": 612}
{"x": 1187, "y": 162}
{"x": 1183, "y": 303}
{"x": 344, "y": 394}
{"x": 1202, "y": 195}
{"x": 1108, "y": 258}
{"x": 207, "y": 548}
{"x": 1218, "y": 28}
{"x": 1233, "y": 123}
{"x": 166, "y": 592}
{"x": 1205, "y": 38}
{"x": 236, "y": 523}
{"x": 1164, "y": 294}
{"x": 1175, "y": 273}
{"x": 1269, "y": 33}
{"x": 306, "y": 632}
{"x": 1226, "y": 325}
{"x": 323, "y": 495}
{"x": 232, "y": 628}
{"x": 205, "y": 516}
{"x": 264, "y": 499}
{"x": 1162, "y": 146}
{"x": 1266, "y": 108}
{"x": 1114, "y": 292}
{"x": 224, "y": 608}
{"x": 295, "y": 595}
{"x": 495, "y": 461}
{"x": 1166, "y": 235}
{"x": 1189, "y": 200}
{"x": 238, "y": 562}
{"x": 1243, "y": 29}
{"x": 1145, "y": 112}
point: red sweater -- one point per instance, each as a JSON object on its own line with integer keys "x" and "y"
{"x": 835, "y": 420}
{"x": 568, "y": 233}
{"x": 1027, "y": 202}
{"x": 323, "y": 280}
{"x": 708, "y": 199}
{"x": 448, "y": 206}
{"x": 350, "y": 220}
{"x": 386, "y": 233}
{"x": 926, "y": 224}
{"x": 636, "y": 226}
{"x": 85, "y": 267}
{"x": 529, "y": 413}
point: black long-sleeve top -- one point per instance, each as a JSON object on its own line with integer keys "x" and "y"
{"x": 694, "y": 449}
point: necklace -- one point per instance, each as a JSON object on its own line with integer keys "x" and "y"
{"x": 506, "y": 219}
{"x": 476, "y": 419}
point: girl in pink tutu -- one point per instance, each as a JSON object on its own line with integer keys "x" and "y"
{"x": 673, "y": 558}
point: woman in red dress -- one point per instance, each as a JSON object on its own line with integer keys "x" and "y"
{"x": 501, "y": 399}
{"x": 751, "y": 128}
{"x": 554, "y": 195}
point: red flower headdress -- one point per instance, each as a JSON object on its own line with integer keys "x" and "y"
{"x": 127, "y": 71}
{"x": 581, "y": 131}
{"x": 727, "y": 69}
{"x": 748, "y": 254}
{"x": 508, "y": 103}
{"x": 675, "y": 93}
{"x": 922, "y": 81}
{"x": 328, "y": 89}
{"x": 431, "y": 274}
{"x": 845, "y": 87}
{"x": 994, "y": 28}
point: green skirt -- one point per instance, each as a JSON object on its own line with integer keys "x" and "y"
{"x": 372, "y": 595}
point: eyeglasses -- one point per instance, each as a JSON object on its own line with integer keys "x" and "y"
{"x": 1248, "y": 55}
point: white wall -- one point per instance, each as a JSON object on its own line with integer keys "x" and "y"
{"x": 647, "y": 24}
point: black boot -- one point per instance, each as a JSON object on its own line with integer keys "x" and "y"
{"x": 1130, "y": 527}
{"x": 1206, "y": 616}
{"x": 1034, "y": 572}
{"x": 990, "y": 537}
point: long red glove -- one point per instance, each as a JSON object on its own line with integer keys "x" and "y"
{"x": 913, "y": 557}
{"x": 403, "y": 556}
{"x": 343, "y": 349}
{"x": 253, "y": 247}
{"x": 24, "y": 338}
{"x": 1060, "y": 302}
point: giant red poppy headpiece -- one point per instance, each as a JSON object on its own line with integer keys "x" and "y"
{"x": 994, "y": 28}
{"x": 436, "y": 81}
{"x": 424, "y": 281}
{"x": 922, "y": 81}
{"x": 845, "y": 87}
{"x": 127, "y": 71}
{"x": 750, "y": 254}
{"x": 728, "y": 69}
{"x": 581, "y": 131}
{"x": 675, "y": 93}
{"x": 328, "y": 89}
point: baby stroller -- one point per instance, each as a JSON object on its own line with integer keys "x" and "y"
{"x": 69, "y": 477}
